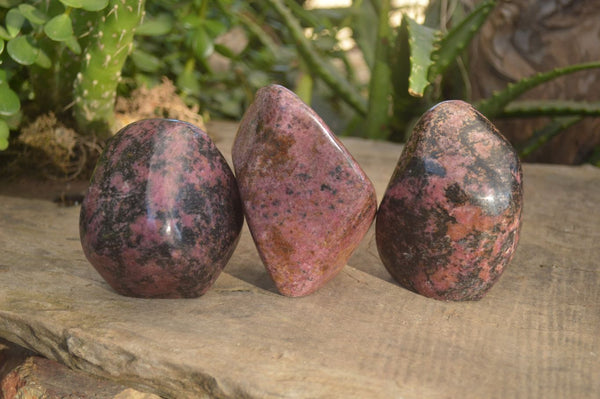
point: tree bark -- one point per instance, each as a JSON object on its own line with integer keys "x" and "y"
{"x": 523, "y": 37}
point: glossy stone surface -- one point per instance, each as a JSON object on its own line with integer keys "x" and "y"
{"x": 162, "y": 215}
{"x": 450, "y": 218}
{"x": 307, "y": 202}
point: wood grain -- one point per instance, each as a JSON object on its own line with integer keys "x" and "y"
{"x": 361, "y": 336}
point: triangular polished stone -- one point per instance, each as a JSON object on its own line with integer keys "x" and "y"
{"x": 307, "y": 202}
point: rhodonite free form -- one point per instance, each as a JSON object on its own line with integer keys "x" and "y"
{"x": 162, "y": 215}
{"x": 450, "y": 218}
{"x": 307, "y": 202}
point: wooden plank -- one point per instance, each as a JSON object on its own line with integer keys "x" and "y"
{"x": 534, "y": 335}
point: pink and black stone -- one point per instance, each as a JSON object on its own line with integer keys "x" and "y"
{"x": 307, "y": 202}
{"x": 162, "y": 215}
{"x": 450, "y": 218}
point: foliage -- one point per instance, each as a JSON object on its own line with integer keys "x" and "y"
{"x": 65, "y": 54}
{"x": 417, "y": 65}
{"x": 71, "y": 57}
{"x": 182, "y": 40}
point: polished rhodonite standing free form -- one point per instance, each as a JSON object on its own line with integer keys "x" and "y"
{"x": 307, "y": 202}
{"x": 450, "y": 218}
{"x": 162, "y": 215}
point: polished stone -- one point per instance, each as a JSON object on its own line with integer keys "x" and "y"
{"x": 307, "y": 202}
{"x": 450, "y": 218}
{"x": 162, "y": 215}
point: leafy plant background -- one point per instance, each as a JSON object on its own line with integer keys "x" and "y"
{"x": 71, "y": 58}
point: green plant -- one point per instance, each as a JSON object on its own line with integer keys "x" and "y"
{"x": 72, "y": 57}
{"x": 109, "y": 43}
{"x": 181, "y": 40}
{"x": 64, "y": 55}
{"x": 417, "y": 65}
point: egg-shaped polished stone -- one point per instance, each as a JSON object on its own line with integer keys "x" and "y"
{"x": 162, "y": 214}
{"x": 307, "y": 202}
{"x": 450, "y": 218}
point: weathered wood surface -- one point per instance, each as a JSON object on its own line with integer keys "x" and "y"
{"x": 535, "y": 335}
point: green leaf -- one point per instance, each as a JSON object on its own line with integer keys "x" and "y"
{"x": 21, "y": 50}
{"x": 364, "y": 18}
{"x": 541, "y": 136}
{"x": 145, "y": 61}
{"x": 32, "y": 14}
{"x": 9, "y": 3}
{"x": 43, "y": 60}
{"x": 528, "y": 108}
{"x": 188, "y": 83}
{"x": 307, "y": 17}
{"x": 72, "y": 3}
{"x": 400, "y": 61}
{"x": 14, "y": 22}
{"x": 421, "y": 39}
{"x": 73, "y": 45}
{"x": 94, "y": 5}
{"x": 493, "y": 106}
{"x": 202, "y": 44}
{"x": 225, "y": 51}
{"x": 4, "y": 131}
{"x": 160, "y": 25}
{"x": 317, "y": 64}
{"x": 1, "y": 46}
{"x": 267, "y": 43}
{"x": 14, "y": 120}
{"x": 3, "y": 77}
{"x": 214, "y": 27}
{"x": 191, "y": 21}
{"x": 304, "y": 87}
{"x": 3, "y": 144}
{"x": 405, "y": 106}
{"x": 10, "y": 103}
{"x": 88, "y": 5}
{"x": 448, "y": 47}
{"x": 381, "y": 83}
{"x": 4, "y": 34}
{"x": 59, "y": 28}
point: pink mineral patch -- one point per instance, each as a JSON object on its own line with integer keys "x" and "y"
{"x": 307, "y": 202}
